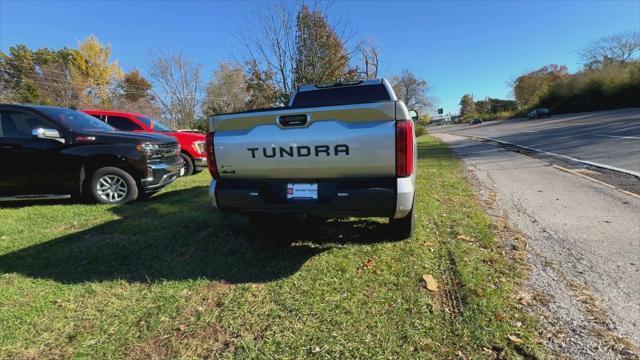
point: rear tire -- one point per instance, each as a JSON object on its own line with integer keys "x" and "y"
{"x": 188, "y": 165}
{"x": 403, "y": 228}
{"x": 114, "y": 186}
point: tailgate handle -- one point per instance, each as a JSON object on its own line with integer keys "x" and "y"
{"x": 293, "y": 120}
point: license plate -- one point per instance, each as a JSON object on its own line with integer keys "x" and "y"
{"x": 302, "y": 191}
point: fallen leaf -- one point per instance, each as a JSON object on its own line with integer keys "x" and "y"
{"x": 464, "y": 238}
{"x": 478, "y": 292}
{"x": 432, "y": 284}
{"x": 499, "y": 316}
{"x": 367, "y": 264}
{"x": 182, "y": 327}
{"x": 514, "y": 339}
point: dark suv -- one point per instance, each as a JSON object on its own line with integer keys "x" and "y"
{"x": 539, "y": 113}
{"x": 55, "y": 153}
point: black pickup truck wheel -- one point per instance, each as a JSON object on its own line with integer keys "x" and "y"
{"x": 188, "y": 165}
{"x": 110, "y": 185}
{"x": 403, "y": 228}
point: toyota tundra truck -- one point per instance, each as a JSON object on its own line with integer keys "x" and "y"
{"x": 341, "y": 150}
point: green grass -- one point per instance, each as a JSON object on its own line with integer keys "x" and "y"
{"x": 169, "y": 278}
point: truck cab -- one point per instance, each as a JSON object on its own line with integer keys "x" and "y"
{"x": 191, "y": 143}
{"x": 56, "y": 153}
{"x": 340, "y": 150}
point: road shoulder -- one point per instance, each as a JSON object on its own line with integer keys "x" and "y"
{"x": 578, "y": 233}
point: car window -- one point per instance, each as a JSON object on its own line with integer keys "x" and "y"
{"x": 154, "y": 124}
{"x": 122, "y": 123}
{"x": 18, "y": 125}
{"x": 74, "y": 120}
{"x": 341, "y": 96}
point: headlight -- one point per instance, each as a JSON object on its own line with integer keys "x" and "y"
{"x": 198, "y": 146}
{"x": 147, "y": 148}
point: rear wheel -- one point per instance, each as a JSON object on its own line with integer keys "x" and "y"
{"x": 403, "y": 228}
{"x": 111, "y": 185}
{"x": 188, "y": 165}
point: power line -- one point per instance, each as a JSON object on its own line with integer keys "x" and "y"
{"x": 33, "y": 68}
{"x": 67, "y": 83}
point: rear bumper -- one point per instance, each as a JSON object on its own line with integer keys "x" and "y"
{"x": 160, "y": 175}
{"x": 359, "y": 198}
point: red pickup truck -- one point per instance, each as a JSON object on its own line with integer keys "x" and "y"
{"x": 191, "y": 144}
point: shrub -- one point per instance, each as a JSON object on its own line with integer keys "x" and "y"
{"x": 614, "y": 86}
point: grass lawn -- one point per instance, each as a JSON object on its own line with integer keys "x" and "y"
{"x": 168, "y": 278}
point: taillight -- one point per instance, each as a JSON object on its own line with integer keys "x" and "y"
{"x": 404, "y": 148}
{"x": 211, "y": 156}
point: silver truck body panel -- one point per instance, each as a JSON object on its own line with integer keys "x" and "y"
{"x": 367, "y": 131}
{"x": 368, "y": 145}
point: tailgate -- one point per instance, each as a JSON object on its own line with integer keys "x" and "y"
{"x": 349, "y": 141}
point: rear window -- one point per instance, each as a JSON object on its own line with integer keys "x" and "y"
{"x": 341, "y": 96}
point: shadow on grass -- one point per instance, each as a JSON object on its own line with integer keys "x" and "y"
{"x": 176, "y": 236}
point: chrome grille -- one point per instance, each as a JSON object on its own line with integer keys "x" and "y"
{"x": 166, "y": 154}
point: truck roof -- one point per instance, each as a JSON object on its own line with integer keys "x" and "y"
{"x": 111, "y": 112}
{"x": 341, "y": 84}
{"x": 384, "y": 93}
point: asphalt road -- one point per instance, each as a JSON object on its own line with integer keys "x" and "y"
{"x": 581, "y": 235}
{"x": 610, "y": 138}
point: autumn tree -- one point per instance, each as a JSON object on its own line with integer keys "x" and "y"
{"x": 178, "y": 83}
{"x": 411, "y": 90}
{"x": 529, "y": 87}
{"x": 320, "y": 57}
{"x": 227, "y": 90}
{"x": 467, "y": 106}
{"x": 293, "y": 45}
{"x": 262, "y": 89}
{"x": 135, "y": 87}
{"x": 93, "y": 73}
{"x": 39, "y": 77}
{"x": 613, "y": 49}
{"x": 135, "y": 94}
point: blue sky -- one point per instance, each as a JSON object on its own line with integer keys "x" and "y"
{"x": 458, "y": 47}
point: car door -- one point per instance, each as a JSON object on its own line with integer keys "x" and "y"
{"x": 30, "y": 165}
{"x": 123, "y": 123}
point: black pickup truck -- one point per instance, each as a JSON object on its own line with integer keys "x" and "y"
{"x": 56, "y": 153}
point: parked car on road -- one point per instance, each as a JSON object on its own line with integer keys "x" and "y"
{"x": 347, "y": 149}
{"x": 475, "y": 121}
{"x": 56, "y": 153}
{"x": 539, "y": 113}
{"x": 191, "y": 143}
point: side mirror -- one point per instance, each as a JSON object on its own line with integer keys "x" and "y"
{"x": 51, "y": 134}
{"x": 414, "y": 115}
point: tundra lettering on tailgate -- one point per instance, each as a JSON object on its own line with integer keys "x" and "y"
{"x": 300, "y": 151}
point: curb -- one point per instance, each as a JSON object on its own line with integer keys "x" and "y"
{"x": 590, "y": 163}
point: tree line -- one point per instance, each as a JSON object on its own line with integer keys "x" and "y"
{"x": 609, "y": 78}
{"x": 289, "y": 45}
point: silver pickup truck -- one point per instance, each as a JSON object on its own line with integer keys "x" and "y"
{"x": 342, "y": 150}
